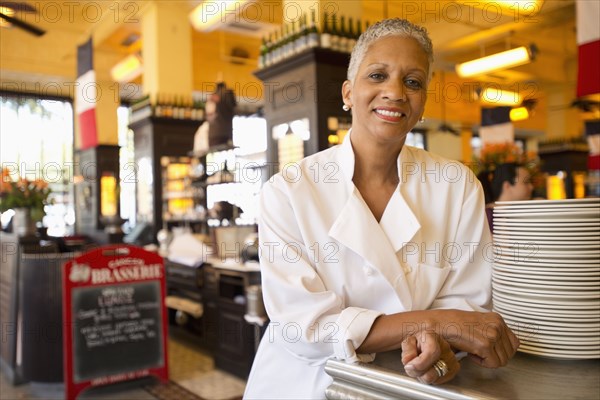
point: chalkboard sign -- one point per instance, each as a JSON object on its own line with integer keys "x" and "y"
{"x": 115, "y": 317}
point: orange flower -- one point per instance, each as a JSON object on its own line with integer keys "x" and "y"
{"x": 22, "y": 193}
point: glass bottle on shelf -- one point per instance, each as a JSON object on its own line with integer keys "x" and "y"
{"x": 277, "y": 48}
{"x": 313, "y": 32}
{"x": 269, "y": 54}
{"x": 342, "y": 36}
{"x": 188, "y": 109}
{"x": 302, "y": 39}
{"x": 326, "y": 33}
{"x": 286, "y": 43}
{"x": 158, "y": 108}
{"x": 168, "y": 107}
{"x": 335, "y": 38}
{"x": 351, "y": 35}
{"x": 262, "y": 59}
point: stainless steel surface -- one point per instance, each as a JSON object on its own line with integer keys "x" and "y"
{"x": 525, "y": 377}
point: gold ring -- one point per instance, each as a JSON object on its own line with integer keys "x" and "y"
{"x": 441, "y": 368}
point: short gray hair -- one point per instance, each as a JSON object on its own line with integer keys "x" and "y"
{"x": 388, "y": 27}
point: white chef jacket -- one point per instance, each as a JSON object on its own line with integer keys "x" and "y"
{"x": 329, "y": 269}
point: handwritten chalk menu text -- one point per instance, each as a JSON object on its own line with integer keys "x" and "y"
{"x": 116, "y": 318}
{"x": 112, "y": 321}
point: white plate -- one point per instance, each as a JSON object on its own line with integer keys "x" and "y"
{"x": 574, "y": 247}
{"x": 561, "y": 354}
{"x": 548, "y": 273}
{"x": 587, "y": 244}
{"x": 532, "y": 250}
{"x": 548, "y": 202}
{"x": 580, "y": 294}
{"x": 540, "y": 257}
{"x": 561, "y": 290}
{"x": 547, "y": 220}
{"x": 575, "y": 326}
{"x": 542, "y": 344}
{"x": 528, "y": 331}
{"x": 540, "y": 309}
{"x": 543, "y": 223}
{"x": 544, "y": 214}
{"x": 557, "y": 229}
{"x": 558, "y": 337}
{"x": 547, "y": 236}
{"x": 554, "y": 303}
{"x": 556, "y": 263}
{"x": 585, "y": 319}
{"x": 538, "y": 209}
{"x": 543, "y": 281}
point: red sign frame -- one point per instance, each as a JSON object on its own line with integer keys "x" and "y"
{"x": 106, "y": 267}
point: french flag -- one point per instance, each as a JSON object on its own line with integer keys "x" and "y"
{"x": 85, "y": 96}
{"x": 588, "y": 41}
{"x": 496, "y": 126}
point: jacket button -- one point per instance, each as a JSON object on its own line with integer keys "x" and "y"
{"x": 368, "y": 270}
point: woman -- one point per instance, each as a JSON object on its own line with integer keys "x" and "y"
{"x": 371, "y": 245}
{"x": 508, "y": 182}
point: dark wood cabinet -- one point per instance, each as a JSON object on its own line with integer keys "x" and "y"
{"x": 156, "y": 137}
{"x": 90, "y": 166}
{"x": 235, "y": 344}
{"x": 237, "y": 338}
{"x": 222, "y": 329}
{"x": 307, "y": 85}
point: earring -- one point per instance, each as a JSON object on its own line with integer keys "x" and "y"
{"x": 346, "y": 107}
{"x": 421, "y": 120}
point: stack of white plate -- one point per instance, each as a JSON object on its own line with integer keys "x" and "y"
{"x": 546, "y": 278}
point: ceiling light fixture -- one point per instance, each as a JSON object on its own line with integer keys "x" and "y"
{"x": 210, "y": 13}
{"x": 128, "y": 69}
{"x": 8, "y": 12}
{"x": 512, "y": 7}
{"x": 499, "y": 97}
{"x": 519, "y": 114}
{"x": 506, "y": 59}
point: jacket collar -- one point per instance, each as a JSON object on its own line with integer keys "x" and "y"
{"x": 382, "y": 240}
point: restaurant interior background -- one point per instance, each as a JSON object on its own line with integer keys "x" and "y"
{"x": 148, "y": 174}
{"x": 173, "y": 60}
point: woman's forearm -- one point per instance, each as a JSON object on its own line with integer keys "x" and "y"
{"x": 388, "y": 331}
{"x": 484, "y": 335}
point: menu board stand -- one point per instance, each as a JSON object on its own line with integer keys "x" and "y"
{"x": 115, "y": 318}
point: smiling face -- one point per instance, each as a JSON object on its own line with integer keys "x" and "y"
{"x": 389, "y": 92}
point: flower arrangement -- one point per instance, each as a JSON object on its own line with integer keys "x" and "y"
{"x": 23, "y": 193}
{"x": 494, "y": 154}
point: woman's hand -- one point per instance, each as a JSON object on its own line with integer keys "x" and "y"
{"x": 484, "y": 335}
{"x": 421, "y": 351}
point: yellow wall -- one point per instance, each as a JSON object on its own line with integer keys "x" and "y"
{"x": 212, "y": 62}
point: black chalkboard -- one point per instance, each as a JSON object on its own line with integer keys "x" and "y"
{"x": 116, "y": 329}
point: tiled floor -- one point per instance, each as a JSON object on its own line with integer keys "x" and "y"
{"x": 189, "y": 366}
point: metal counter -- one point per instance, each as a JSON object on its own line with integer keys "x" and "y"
{"x": 525, "y": 377}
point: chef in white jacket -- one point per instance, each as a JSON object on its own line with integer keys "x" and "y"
{"x": 372, "y": 245}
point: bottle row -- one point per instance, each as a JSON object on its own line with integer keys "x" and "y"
{"x": 296, "y": 37}
{"x": 179, "y": 107}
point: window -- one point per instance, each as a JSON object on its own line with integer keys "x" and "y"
{"x": 36, "y": 141}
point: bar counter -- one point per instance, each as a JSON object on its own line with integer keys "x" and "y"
{"x": 525, "y": 377}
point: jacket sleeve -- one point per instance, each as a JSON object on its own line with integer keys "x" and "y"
{"x": 469, "y": 284}
{"x": 311, "y": 322}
